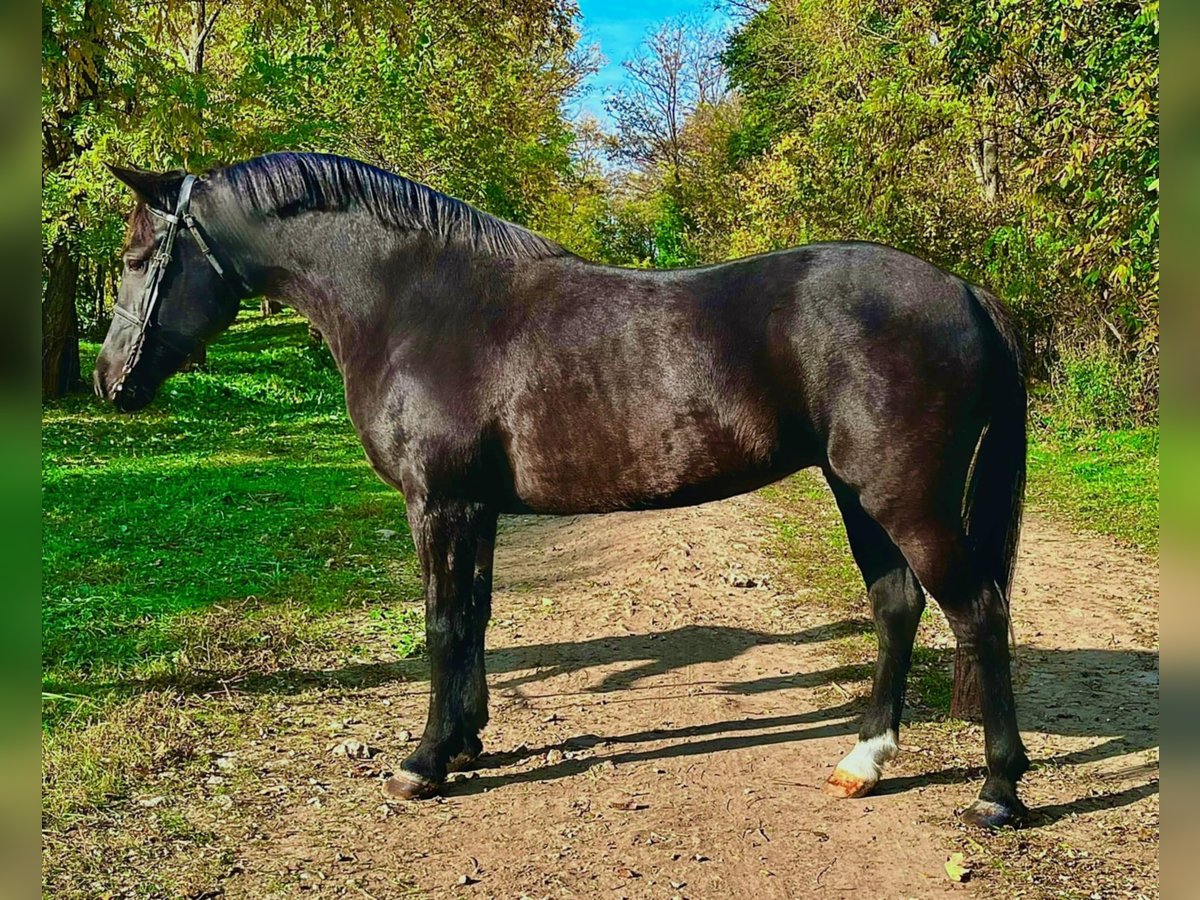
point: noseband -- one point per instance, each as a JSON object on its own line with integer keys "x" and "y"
{"x": 148, "y": 301}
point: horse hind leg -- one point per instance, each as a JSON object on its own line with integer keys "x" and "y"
{"x": 897, "y": 602}
{"x": 978, "y": 616}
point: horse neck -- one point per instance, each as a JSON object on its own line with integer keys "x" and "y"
{"x": 352, "y": 276}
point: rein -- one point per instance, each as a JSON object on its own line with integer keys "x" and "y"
{"x": 148, "y": 301}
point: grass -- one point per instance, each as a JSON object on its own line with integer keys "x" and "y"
{"x": 1102, "y": 481}
{"x": 243, "y": 484}
{"x": 810, "y": 543}
{"x": 233, "y": 529}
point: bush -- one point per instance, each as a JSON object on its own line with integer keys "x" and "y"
{"x": 1094, "y": 387}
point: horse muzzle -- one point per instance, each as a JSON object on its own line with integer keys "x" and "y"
{"x": 129, "y": 396}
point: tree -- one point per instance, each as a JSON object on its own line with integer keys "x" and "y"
{"x": 675, "y": 81}
{"x": 674, "y": 73}
{"x": 76, "y": 80}
{"x": 204, "y": 17}
{"x": 1014, "y": 141}
{"x": 1076, "y": 100}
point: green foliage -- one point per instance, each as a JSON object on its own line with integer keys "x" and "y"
{"x": 615, "y": 230}
{"x": 630, "y": 231}
{"x": 1077, "y": 81}
{"x": 244, "y": 484}
{"x": 1094, "y": 388}
{"x": 1011, "y": 141}
{"x": 671, "y": 246}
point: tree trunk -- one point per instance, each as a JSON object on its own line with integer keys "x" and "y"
{"x": 269, "y": 307}
{"x": 202, "y": 26}
{"x": 985, "y": 163}
{"x": 199, "y": 36}
{"x": 98, "y": 300}
{"x": 314, "y": 336}
{"x": 965, "y": 703}
{"x": 60, "y": 324}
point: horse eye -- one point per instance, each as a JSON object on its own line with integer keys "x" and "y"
{"x": 135, "y": 265}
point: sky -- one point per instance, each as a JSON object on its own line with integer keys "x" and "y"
{"x": 618, "y": 26}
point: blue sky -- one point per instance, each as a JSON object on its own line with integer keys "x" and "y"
{"x": 618, "y": 26}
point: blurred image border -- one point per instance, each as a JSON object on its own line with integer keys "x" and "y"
{"x": 1180, "y": 566}
{"x": 20, "y": 515}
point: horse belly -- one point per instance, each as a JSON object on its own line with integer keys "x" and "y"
{"x": 646, "y": 451}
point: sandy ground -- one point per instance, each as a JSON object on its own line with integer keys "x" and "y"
{"x": 663, "y": 717}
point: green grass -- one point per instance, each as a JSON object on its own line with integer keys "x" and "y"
{"x": 1103, "y": 481}
{"x": 243, "y": 486}
{"x": 810, "y": 542}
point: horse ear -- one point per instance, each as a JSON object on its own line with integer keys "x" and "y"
{"x": 158, "y": 189}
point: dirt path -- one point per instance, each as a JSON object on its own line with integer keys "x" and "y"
{"x": 664, "y": 712}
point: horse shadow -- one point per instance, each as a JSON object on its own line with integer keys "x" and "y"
{"x": 654, "y": 654}
{"x": 1076, "y": 693}
{"x": 1088, "y": 693}
{"x": 661, "y": 653}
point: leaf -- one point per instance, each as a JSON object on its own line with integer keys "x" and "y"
{"x": 956, "y": 869}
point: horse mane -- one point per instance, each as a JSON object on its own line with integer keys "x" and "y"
{"x": 287, "y": 184}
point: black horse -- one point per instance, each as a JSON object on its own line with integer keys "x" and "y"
{"x": 488, "y": 370}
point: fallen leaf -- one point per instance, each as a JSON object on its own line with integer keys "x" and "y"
{"x": 956, "y": 869}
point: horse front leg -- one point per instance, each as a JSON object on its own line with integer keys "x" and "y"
{"x": 481, "y": 613}
{"x": 448, "y": 537}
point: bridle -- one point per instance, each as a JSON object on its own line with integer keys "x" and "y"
{"x": 148, "y": 301}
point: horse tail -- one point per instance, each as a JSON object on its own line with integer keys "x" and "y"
{"x": 995, "y": 491}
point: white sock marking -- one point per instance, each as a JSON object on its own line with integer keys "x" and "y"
{"x": 866, "y": 760}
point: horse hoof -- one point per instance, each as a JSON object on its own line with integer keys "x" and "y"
{"x": 845, "y": 786}
{"x": 992, "y": 815}
{"x": 405, "y": 785}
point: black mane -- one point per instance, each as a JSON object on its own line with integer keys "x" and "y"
{"x": 286, "y": 184}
